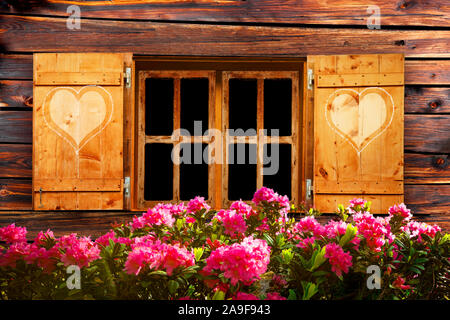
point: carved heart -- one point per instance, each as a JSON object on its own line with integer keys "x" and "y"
{"x": 360, "y": 117}
{"x": 78, "y": 116}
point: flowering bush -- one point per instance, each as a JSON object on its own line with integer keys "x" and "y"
{"x": 245, "y": 252}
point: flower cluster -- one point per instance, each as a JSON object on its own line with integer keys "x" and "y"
{"x": 77, "y": 251}
{"x": 157, "y": 256}
{"x": 233, "y": 222}
{"x": 376, "y": 231}
{"x": 417, "y": 229}
{"x": 11, "y": 234}
{"x": 400, "y": 211}
{"x": 244, "y": 261}
{"x": 340, "y": 261}
{"x": 269, "y": 196}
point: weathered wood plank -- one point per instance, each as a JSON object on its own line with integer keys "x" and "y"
{"x": 16, "y": 66}
{"x": 43, "y": 34}
{"x": 427, "y": 100}
{"x": 343, "y": 12}
{"x": 16, "y": 94}
{"x": 433, "y": 72}
{"x": 427, "y": 133}
{"x": 424, "y": 168}
{"x": 16, "y": 126}
{"x": 428, "y": 199}
{"x": 15, "y": 194}
{"x": 15, "y": 160}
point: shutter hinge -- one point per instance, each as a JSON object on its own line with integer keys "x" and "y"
{"x": 309, "y": 189}
{"x": 126, "y": 187}
{"x": 310, "y": 79}
{"x": 127, "y": 77}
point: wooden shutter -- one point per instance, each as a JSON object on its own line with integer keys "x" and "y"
{"x": 358, "y": 130}
{"x": 78, "y": 131}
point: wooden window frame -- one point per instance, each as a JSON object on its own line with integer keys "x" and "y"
{"x": 144, "y": 65}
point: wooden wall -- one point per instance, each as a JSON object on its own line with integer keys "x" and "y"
{"x": 252, "y": 28}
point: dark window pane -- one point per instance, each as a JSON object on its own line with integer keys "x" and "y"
{"x": 277, "y": 175}
{"x": 194, "y": 174}
{"x": 194, "y": 100}
{"x": 278, "y": 105}
{"x": 159, "y": 107}
{"x": 243, "y": 104}
{"x": 158, "y": 172}
{"x": 241, "y": 171}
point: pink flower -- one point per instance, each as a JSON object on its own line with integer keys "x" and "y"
{"x": 334, "y": 229}
{"x": 244, "y": 261}
{"x": 242, "y": 208}
{"x": 232, "y": 221}
{"x": 16, "y": 251}
{"x": 356, "y": 205}
{"x": 159, "y": 215}
{"x": 77, "y": 251}
{"x": 340, "y": 261}
{"x": 274, "y": 296}
{"x": 263, "y": 194}
{"x": 401, "y": 211}
{"x": 245, "y": 296}
{"x": 304, "y": 243}
{"x": 376, "y": 231}
{"x": 399, "y": 283}
{"x": 12, "y": 234}
{"x": 44, "y": 237}
{"x": 279, "y": 281}
{"x": 416, "y": 229}
{"x": 197, "y": 204}
{"x": 309, "y": 225}
{"x": 42, "y": 257}
{"x": 158, "y": 256}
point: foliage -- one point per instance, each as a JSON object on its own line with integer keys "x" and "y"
{"x": 177, "y": 251}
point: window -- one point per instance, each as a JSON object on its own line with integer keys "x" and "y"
{"x": 219, "y": 130}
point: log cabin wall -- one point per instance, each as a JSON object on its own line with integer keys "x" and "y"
{"x": 251, "y": 28}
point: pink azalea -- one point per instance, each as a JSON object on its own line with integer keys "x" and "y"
{"x": 309, "y": 225}
{"x": 399, "y": 283}
{"x": 376, "y": 231}
{"x": 242, "y": 208}
{"x": 77, "y": 251}
{"x": 416, "y": 229}
{"x": 12, "y": 234}
{"x": 16, "y": 251}
{"x": 159, "y": 215}
{"x": 197, "y": 204}
{"x": 340, "y": 261}
{"x": 245, "y": 296}
{"x": 232, "y": 221}
{"x": 244, "y": 261}
{"x": 304, "y": 243}
{"x": 401, "y": 211}
{"x": 263, "y": 194}
{"x": 274, "y": 296}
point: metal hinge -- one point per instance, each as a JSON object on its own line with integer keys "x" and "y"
{"x": 127, "y": 77}
{"x": 309, "y": 189}
{"x": 126, "y": 187}
{"x": 310, "y": 79}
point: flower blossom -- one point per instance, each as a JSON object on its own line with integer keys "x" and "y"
{"x": 340, "y": 261}
{"x": 274, "y": 296}
{"x": 158, "y": 256}
{"x": 12, "y": 234}
{"x": 309, "y": 225}
{"x": 399, "y": 283}
{"x": 197, "y": 204}
{"x": 159, "y": 215}
{"x": 77, "y": 251}
{"x": 416, "y": 229}
{"x": 245, "y": 296}
{"x": 400, "y": 211}
{"x": 242, "y": 208}
{"x": 244, "y": 261}
{"x": 232, "y": 221}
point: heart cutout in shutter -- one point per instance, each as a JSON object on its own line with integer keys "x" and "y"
{"x": 359, "y": 117}
{"x": 78, "y": 116}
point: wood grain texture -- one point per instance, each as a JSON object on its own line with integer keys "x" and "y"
{"x": 427, "y": 133}
{"x": 427, "y": 100}
{"x": 432, "y": 72}
{"x": 43, "y": 34}
{"x": 424, "y": 168}
{"x": 16, "y": 66}
{"x": 428, "y": 199}
{"x": 15, "y": 194}
{"x": 16, "y": 94}
{"x": 15, "y": 126}
{"x": 15, "y": 160}
{"x": 337, "y": 12}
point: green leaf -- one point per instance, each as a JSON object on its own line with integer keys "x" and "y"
{"x": 218, "y": 295}
{"x": 173, "y": 286}
{"x": 268, "y": 239}
{"x": 198, "y": 253}
{"x": 349, "y": 235}
{"x": 292, "y": 295}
